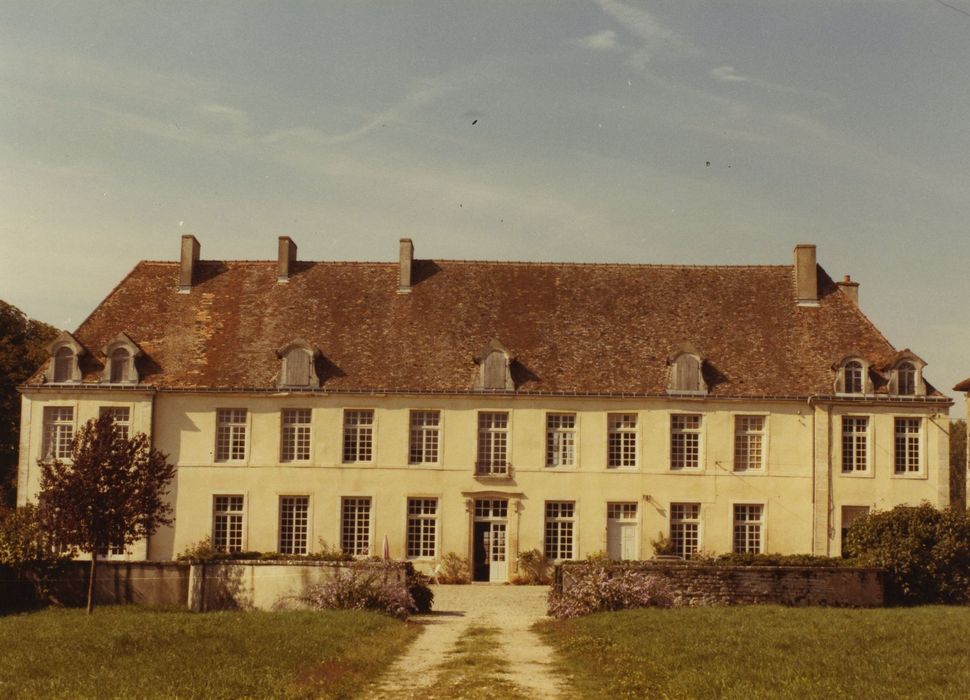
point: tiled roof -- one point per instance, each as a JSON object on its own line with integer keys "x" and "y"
{"x": 963, "y": 386}
{"x": 575, "y": 328}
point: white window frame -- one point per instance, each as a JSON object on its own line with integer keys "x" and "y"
{"x": 290, "y": 527}
{"x": 622, "y": 440}
{"x": 742, "y": 433}
{"x": 559, "y": 530}
{"x": 747, "y": 524}
{"x": 231, "y": 516}
{"x": 420, "y": 525}
{"x": 684, "y": 527}
{"x": 351, "y": 542}
{"x": 561, "y": 441}
{"x": 359, "y": 442}
{"x": 907, "y": 436}
{"x": 424, "y": 438}
{"x": 494, "y": 444}
{"x": 679, "y": 454}
{"x": 229, "y": 429}
{"x": 58, "y": 432}
{"x": 845, "y": 435}
{"x": 296, "y": 436}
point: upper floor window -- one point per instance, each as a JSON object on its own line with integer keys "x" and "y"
{"x": 686, "y": 375}
{"x": 359, "y": 435}
{"x": 560, "y": 439}
{"x": 423, "y": 440}
{"x": 494, "y": 368}
{"x": 621, "y": 441}
{"x": 906, "y": 379}
{"x": 65, "y": 352}
{"x": 907, "y": 458}
{"x": 855, "y": 444}
{"x": 295, "y": 435}
{"x": 58, "y": 432}
{"x": 749, "y": 443}
{"x": 299, "y": 365}
{"x": 120, "y": 418}
{"x": 230, "y": 434}
{"x": 906, "y": 375}
{"x": 120, "y": 356}
{"x": 685, "y": 441}
{"x": 64, "y": 361}
{"x": 852, "y": 377}
{"x": 493, "y": 443}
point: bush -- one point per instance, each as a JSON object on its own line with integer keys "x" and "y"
{"x": 454, "y": 569}
{"x": 593, "y": 589}
{"x": 775, "y": 560}
{"x": 533, "y": 569}
{"x": 362, "y": 586}
{"x": 203, "y": 551}
{"x": 925, "y": 550}
{"x": 29, "y": 557}
{"x": 420, "y": 591}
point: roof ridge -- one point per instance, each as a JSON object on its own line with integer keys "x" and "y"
{"x": 513, "y": 263}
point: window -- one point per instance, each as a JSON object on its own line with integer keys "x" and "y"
{"x": 227, "y": 523}
{"x": 621, "y": 440}
{"x": 422, "y": 528}
{"x": 294, "y": 524}
{"x": 494, "y": 368}
{"x": 853, "y": 377}
{"x": 58, "y": 432}
{"x": 559, "y": 530}
{"x": 685, "y": 528}
{"x": 64, "y": 351}
{"x": 230, "y": 434}
{"x": 749, "y": 443}
{"x": 493, "y": 443}
{"x": 686, "y": 375}
{"x": 906, "y": 379}
{"x": 907, "y": 454}
{"x": 120, "y": 418}
{"x": 855, "y": 444}
{"x": 748, "y": 528}
{"x": 295, "y": 435}
{"x": 355, "y": 527}
{"x": 685, "y": 441}
{"x": 849, "y": 515}
{"x": 120, "y": 365}
{"x": 491, "y": 509}
{"x": 358, "y": 436}
{"x": 560, "y": 439}
{"x": 423, "y": 444}
{"x": 64, "y": 364}
{"x": 298, "y": 368}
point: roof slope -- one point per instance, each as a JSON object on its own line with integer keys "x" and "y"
{"x": 570, "y": 327}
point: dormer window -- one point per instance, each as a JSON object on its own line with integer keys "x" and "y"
{"x": 906, "y": 375}
{"x": 852, "y": 377}
{"x": 119, "y": 364}
{"x": 906, "y": 379}
{"x": 686, "y": 374}
{"x": 64, "y": 351}
{"x": 494, "y": 368}
{"x": 299, "y": 360}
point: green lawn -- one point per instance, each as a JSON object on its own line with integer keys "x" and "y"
{"x": 136, "y": 653}
{"x": 767, "y": 652}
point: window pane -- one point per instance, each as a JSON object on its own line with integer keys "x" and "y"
{"x": 422, "y": 527}
{"x": 355, "y": 526}
{"x": 685, "y": 441}
{"x": 423, "y": 444}
{"x": 560, "y": 439}
{"x": 622, "y": 440}
{"x": 749, "y": 435}
{"x": 294, "y": 524}
{"x": 685, "y": 524}
{"x": 559, "y": 530}
{"x": 358, "y": 436}
{"x": 295, "y": 435}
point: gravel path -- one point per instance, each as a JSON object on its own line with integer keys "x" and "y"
{"x": 512, "y": 609}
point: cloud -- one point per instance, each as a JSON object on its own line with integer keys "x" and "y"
{"x": 652, "y": 34}
{"x": 599, "y": 41}
{"x": 726, "y": 74}
{"x": 237, "y": 119}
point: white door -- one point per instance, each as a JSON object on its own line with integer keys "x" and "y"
{"x": 621, "y": 531}
{"x": 498, "y": 567}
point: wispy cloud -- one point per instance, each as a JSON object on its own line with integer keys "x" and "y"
{"x": 652, "y": 35}
{"x": 727, "y": 74}
{"x": 599, "y": 41}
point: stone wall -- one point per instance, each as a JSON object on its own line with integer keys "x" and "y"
{"x": 696, "y": 584}
{"x": 152, "y": 584}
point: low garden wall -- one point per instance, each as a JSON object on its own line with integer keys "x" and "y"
{"x": 153, "y": 584}
{"x": 699, "y": 584}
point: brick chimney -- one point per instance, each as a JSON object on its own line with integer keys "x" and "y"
{"x": 407, "y": 258}
{"x": 806, "y": 275}
{"x": 850, "y": 289}
{"x": 190, "y": 256}
{"x": 287, "y": 256}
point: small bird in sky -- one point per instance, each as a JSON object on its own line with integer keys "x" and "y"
{"x": 474, "y": 122}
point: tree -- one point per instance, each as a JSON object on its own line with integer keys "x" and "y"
{"x": 110, "y": 494}
{"x": 958, "y": 464}
{"x": 27, "y": 550}
{"x": 23, "y": 345}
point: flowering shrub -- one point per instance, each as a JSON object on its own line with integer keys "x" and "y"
{"x": 533, "y": 568}
{"x": 454, "y": 569}
{"x": 362, "y": 586}
{"x": 592, "y": 589}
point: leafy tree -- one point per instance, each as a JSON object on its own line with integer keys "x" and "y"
{"x": 110, "y": 494}
{"x": 958, "y": 464}
{"x": 26, "y": 548}
{"x": 925, "y": 550}
{"x": 22, "y": 350}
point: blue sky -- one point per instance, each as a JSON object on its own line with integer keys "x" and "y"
{"x": 656, "y": 132}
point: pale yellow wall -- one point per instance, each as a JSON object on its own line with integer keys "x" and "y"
{"x": 797, "y": 468}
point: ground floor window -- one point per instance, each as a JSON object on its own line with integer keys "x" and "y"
{"x": 685, "y": 528}
{"x": 227, "y": 523}
{"x": 355, "y": 526}
{"x": 849, "y": 515}
{"x": 748, "y": 529}
{"x": 294, "y": 524}
{"x": 422, "y": 528}
{"x": 560, "y": 521}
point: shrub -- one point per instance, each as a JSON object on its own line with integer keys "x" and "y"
{"x": 593, "y": 589}
{"x": 533, "y": 569}
{"x": 203, "y": 551}
{"x": 27, "y": 550}
{"x": 454, "y": 569}
{"x": 775, "y": 560}
{"x": 926, "y": 551}
{"x": 420, "y": 591}
{"x": 663, "y": 545}
{"x": 362, "y": 586}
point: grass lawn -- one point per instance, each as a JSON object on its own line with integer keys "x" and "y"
{"x": 767, "y": 652}
{"x": 131, "y": 652}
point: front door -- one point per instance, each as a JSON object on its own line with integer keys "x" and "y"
{"x": 490, "y": 559}
{"x": 481, "y": 551}
{"x": 621, "y": 531}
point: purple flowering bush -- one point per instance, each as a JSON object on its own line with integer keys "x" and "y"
{"x": 363, "y": 586}
{"x": 592, "y": 588}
